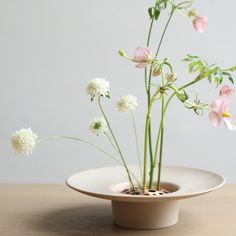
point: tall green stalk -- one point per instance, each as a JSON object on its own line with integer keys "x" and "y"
{"x": 148, "y": 88}
{"x": 164, "y": 31}
{"x": 162, "y": 130}
{"x": 154, "y": 158}
{"x": 146, "y": 139}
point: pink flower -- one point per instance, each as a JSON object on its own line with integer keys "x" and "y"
{"x": 226, "y": 91}
{"x": 200, "y": 23}
{"x": 220, "y": 112}
{"x": 142, "y": 56}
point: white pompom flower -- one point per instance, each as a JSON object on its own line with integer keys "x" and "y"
{"x": 24, "y": 141}
{"x": 127, "y": 103}
{"x": 98, "y": 87}
{"x": 98, "y": 126}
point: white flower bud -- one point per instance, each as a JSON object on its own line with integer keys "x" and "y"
{"x": 24, "y": 141}
{"x": 98, "y": 126}
{"x": 127, "y": 103}
{"x": 98, "y": 87}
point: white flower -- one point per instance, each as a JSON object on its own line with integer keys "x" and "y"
{"x": 24, "y": 141}
{"x": 98, "y": 87}
{"x": 127, "y": 103}
{"x": 98, "y": 126}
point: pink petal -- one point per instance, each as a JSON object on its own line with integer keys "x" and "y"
{"x": 141, "y": 54}
{"x": 215, "y": 118}
{"x": 227, "y": 91}
{"x": 230, "y": 122}
{"x": 200, "y": 23}
{"x": 221, "y": 104}
{"x": 142, "y": 65}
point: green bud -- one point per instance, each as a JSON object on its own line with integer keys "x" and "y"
{"x": 192, "y": 13}
{"x": 182, "y": 96}
{"x": 156, "y": 71}
{"x": 171, "y": 78}
{"x": 122, "y": 53}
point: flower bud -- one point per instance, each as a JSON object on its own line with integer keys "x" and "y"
{"x": 192, "y": 13}
{"x": 156, "y": 71}
{"x": 122, "y": 53}
{"x": 171, "y": 78}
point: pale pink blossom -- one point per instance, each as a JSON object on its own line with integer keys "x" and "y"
{"x": 200, "y": 23}
{"x": 220, "y": 112}
{"x": 226, "y": 91}
{"x": 143, "y": 56}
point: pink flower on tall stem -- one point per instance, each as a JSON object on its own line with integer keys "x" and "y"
{"x": 220, "y": 112}
{"x": 226, "y": 91}
{"x": 200, "y": 23}
{"x": 143, "y": 56}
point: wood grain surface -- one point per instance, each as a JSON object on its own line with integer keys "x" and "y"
{"x": 41, "y": 210}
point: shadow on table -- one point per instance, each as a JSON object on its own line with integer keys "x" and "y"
{"x": 97, "y": 220}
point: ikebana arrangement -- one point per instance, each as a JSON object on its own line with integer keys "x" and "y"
{"x": 160, "y": 83}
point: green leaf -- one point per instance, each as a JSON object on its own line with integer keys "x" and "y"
{"x": 209, "y": 78}
{"x": 182, "y": 96}
{"x": 218, "y": 81}
{"x": 157, "y": 13}
{"x": 229, "y": 76}
{"x": 151, "y": 12}
{"x": 195, "y": 66}
{"x": 231, "y": 79}
{"x": 233, "y": 68}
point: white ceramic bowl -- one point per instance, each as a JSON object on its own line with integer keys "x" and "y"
{"x": 145, "y": 212}
{"x": 108, "y": 182}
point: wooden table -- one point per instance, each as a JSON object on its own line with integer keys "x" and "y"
{"x": 41, "y": 210}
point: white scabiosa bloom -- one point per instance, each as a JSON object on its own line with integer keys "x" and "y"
{"x": 24, "y": 141}
{"x": 127, "y": 103}
{"x": 98, "y": 126}
{"x": 98, "y": 87}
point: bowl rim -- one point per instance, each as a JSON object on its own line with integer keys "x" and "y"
{"x": 117, "y": 196}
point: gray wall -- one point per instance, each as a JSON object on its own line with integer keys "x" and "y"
{"x": 50, "y": 49}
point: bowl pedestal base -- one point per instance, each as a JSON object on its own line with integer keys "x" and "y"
{"x": 145, "y": 215}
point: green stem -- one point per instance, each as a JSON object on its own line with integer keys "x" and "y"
{"x": 116, "y": 143}
{"x": 162, "y": 133}
{"x": 148, "y": 88}
{"x": 83, "y": 141}
{"x": 157, "y": 146}
{"x": 149, "y": 126}
{"x": 146, "y": 139}
{"x": 197, "y": 79}
{"x": 148, "y": 42}
{"x": 150, "y": 32}
{"x": 91, "y": 144}
{"x": 160, "y": 160}
{"x": 153, "y": 160}
{"x": 163, "y": 34}
{"x": 136, "y": 142}
{"x": 109, "y": 138}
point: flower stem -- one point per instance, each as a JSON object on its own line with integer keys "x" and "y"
{"x": 113, "y": 145}
{"x": 136, "y": 142}
{"x": 157, "y": 145}
{"x": 116, "y": 143}
{"x": 161, "y": 143}
{"x": 148, "y": 89}
{"x": 91, "y": 144}
{"x": 147, "y": 44}
{"x": 197, "y": 79}
{"x": 164, "y": 32}
{"x": 146, "y": 139}
{"x": 83, "y": 141}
